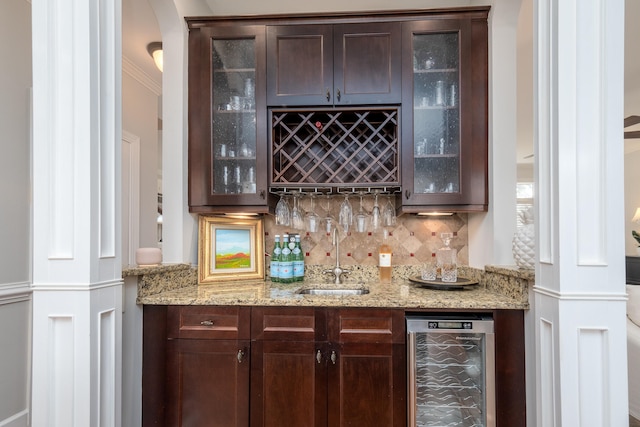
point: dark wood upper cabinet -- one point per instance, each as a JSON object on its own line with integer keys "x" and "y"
{"x": 444, "y": 124}
{"x": 342, "y": 64}
{"x": 272, "y": 101}
{"x": 227, "y": 119}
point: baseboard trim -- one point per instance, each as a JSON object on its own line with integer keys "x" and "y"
{"x": 21, "y": 419}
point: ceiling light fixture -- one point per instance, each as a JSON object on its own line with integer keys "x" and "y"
{"x": 155, "y": 50}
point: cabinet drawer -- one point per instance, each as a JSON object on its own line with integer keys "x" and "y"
{"x": 366, "y": 325}
{"x": 288, "y": 323}
{"x": 208, "y": 322}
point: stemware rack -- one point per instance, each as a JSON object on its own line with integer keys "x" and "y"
{"x": 335, "y": 148}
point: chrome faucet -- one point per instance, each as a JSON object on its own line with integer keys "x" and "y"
{"x": 337, "y": 271}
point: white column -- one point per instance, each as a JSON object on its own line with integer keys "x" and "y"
{"x": 579, "y": 294}
{"x": 77, "y": 285}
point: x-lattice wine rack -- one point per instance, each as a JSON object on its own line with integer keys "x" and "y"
{"x": 348, "y": 147}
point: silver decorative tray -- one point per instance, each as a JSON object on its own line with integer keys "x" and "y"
{"x": 461, "y": 283}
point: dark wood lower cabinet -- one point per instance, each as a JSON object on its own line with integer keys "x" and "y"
{"x": 288, "y": 385}
{"x": 367, "y": 386}
{"x": 297, "y": 366}
{"x": 351, "y": 371}
{"x": 208, "y": 383}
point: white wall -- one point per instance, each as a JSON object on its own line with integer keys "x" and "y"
{"x": 140, "y": 117}
{"x": 15, "y": 191}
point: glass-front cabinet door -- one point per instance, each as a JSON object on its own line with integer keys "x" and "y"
{"x": 227, "y": 142}
{"x": 436, "y": 113}
{"x": 443, "y": 141}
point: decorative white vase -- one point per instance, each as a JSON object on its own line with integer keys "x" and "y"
{"x": 524, "y": 242}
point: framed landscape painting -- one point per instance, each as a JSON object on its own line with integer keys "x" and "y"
{"x": 230, "y": 249}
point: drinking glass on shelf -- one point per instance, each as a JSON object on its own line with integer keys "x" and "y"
{"x": 297, "y": 219}
{"x": 283, "y": 213}
{"x": 361, "y": 217}
{"x": 345, "y": 216}
{"x": 311, "y": 218}
{"x": 376, "y": 217}
{"x": 389, "y": 213}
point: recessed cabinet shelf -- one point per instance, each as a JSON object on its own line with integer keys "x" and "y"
{"x": 336, "y": 147}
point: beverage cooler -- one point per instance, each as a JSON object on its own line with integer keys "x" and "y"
{"x": 451, "y": 371}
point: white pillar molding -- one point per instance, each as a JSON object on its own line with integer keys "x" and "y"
{"x": 77, "y": 284}
{"x": 579, "y": 303}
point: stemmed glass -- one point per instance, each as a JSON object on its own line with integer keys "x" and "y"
{"x": 345, "y": 217}
{"x": 329, "y": 220}
{"x": 361, "y": 217}
{"x": 389, "y": 213}
{"x": 311, "y": 218}
{"x": 376, "y": 217}
{"x": 297, "y": 219}
{"x": 283, "y": 213}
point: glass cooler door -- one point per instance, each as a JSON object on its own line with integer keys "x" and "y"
{"x": 451, "y": 373}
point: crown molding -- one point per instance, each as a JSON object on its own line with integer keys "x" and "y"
{"x": 139, "y": 75}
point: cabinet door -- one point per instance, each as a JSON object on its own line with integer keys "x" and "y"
{"x": 334, "y": 64}
{"x": 367, "y": 63}
{"x": 445, "y": 131}
{"x": 367, "y": 367}
{"x": 300, "y": 65}
{"x": 208, "y": 383}
{"x": 227, "y": 120}
{"x": 288, "y": 367}
{"x": 288, "y": 384}
{"x": 367, "y": 385}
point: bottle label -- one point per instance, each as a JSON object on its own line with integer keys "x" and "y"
{"x": 277, "y": 251}
{"x": 286, "y": 270}
{"x": 296, "y": 251}
{"x": 385, "y": 260}
{"x": 298, "y": 269}
{"x": 275, "y": 269}
{"x": 286, "y": 251}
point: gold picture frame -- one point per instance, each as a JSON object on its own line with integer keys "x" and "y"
{"x": 230, "y": 249}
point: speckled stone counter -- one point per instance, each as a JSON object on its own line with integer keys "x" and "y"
{"x": 176, "y": 284}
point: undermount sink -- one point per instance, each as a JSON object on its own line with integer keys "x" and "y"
{"x": 333, "y": 291}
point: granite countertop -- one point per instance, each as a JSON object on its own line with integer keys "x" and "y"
{"x": 498, "y": 288}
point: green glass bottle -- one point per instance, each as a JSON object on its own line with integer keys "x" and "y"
{"x": 286, "y": 262}
{"x": 275, "y": 260}
{"x": 298, "y": 261}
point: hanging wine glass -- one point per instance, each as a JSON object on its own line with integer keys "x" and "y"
{"x": 362, "y": 217}
{"x": 345, "y": 216}
{"x": 389, "y": 213}
{"x": 283, "y": 213}
{"x": 376, "y": 217}
{"x": 311, "y": 218}
{"x": 329, "y": 220}
{"x": 297, "y": 219}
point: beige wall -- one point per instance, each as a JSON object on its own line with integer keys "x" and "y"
{"x": 15, "y": 211}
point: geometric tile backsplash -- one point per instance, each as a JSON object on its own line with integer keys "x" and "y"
{"x": 414, "y": 239}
